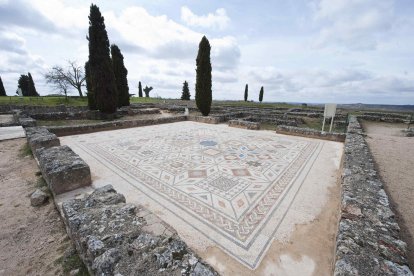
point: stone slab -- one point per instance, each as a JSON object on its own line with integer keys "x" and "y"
{"x": 40, "y": 137}
{"x": 12, "y": 132}
{"x": 62, "y": 169}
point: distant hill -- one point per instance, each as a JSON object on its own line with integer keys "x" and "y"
{"x": 378, "y": 107}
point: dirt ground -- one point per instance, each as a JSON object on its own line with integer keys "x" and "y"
{"x": 394, "y": 156}
{"x": 32, "y": 239}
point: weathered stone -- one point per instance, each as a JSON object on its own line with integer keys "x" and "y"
{"x": 205, "y": 119}
{"x": 63, "y": 169}
{"x": 88, "y": 128}
{"x": 110, "y": 239}
{"x": 244, "y": 124}
{"x": 368, "y": 240}
{"x": 38, "y": 198}
{"x": 27, "y": 122}
{"x": 40, "y": 137}
{"x": 312, "y": 133}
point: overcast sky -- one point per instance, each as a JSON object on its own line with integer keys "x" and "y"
{"x": 344, "y": 51}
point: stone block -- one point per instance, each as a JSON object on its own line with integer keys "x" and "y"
{"x": 63, "y": 169}
{"x": 205, "y": 119}
{"x": 27, "y": 122}
{"x": 244, "y": 124}
{"x": 40, "y": 137}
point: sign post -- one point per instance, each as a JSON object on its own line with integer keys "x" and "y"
{"x": 329, "y": 112}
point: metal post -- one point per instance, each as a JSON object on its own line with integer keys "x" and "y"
{"x": 332, "y": 119}
{"x": 323, "y": 124}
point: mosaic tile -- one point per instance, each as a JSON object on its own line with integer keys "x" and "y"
{"x": 230, "y": 185}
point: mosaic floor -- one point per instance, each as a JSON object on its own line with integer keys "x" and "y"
{"x": 233, "y": 186}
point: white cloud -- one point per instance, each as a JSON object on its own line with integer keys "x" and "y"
{"x": 354, "y": 24}
{"x": 219, "y": 19}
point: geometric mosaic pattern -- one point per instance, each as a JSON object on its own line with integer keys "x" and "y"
{"x": 232, "y": 185}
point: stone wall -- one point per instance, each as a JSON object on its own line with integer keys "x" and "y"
{"x": 35, "y": 109}
{"x": 311, "y": 133}
{"x": 205, "y": 119}
{"x": 368, "y": 240}
{"x": 115, "y": 238}
{"x": 244, "y": 124}
{"x": 89, "y": 128}
{"x": 381, "y": 119}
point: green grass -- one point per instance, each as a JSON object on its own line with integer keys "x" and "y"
{"x": 46, "y": 101}
{"x": 40, "y": 182}
{"x": 257, "y": 104}
{"x": 77, "y": 101}
{"x": 25, "y": 150}
{"x": 72, "y": 262}
{"x": 315, "y": 123}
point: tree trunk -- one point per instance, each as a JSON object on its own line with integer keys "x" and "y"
{"x": 80, "y": 91}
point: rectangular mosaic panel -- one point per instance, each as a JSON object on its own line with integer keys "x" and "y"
{"x": 232, "y": 185}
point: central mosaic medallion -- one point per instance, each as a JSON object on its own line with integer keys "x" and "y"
{"x": 231, "y": 185}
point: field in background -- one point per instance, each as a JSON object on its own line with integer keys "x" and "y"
{"x": 77, "y": 101}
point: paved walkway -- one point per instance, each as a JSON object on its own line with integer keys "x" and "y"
{"x": 228, "y": 192}
{"x": 13, "y": 132}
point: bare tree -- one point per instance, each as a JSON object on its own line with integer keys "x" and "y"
{"x": 62, "y": 78}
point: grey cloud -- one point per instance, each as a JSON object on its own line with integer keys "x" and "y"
{"x": 12, "y": 44}
{"x": 21, "y": 14}
{"x": 180, "y": 50}
{"x": 226, "y": 58}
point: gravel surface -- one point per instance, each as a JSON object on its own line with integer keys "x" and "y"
{"x": 31, "y": 238}
{"x": 394, "y": 156}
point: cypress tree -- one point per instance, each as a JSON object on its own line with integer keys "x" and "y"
{"x": 139, "y": 89}
{"x": 32, "y": 89}
{"x": 261, "y": 94}
{"x": 120, "y": 73}
{"x": 23, "y": 84}
{"x": 203, "y": 94}
{"x": 103, "y": 78}
{"x": 89, "y": 87}
{"x": 2, "y": 90}
{"x": 246, "y": 92}
{"x": 186, "y": 92}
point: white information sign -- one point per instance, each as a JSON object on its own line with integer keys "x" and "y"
{"x": 330, "y": 110}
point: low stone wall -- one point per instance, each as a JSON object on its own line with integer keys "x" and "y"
{"x": 381, "y": 119}
{"x": 89, "y": 128}
{"x": 205, "y": 119}
{"x": 277, "y": 120}
{"x": 387, "y": 115}
{"x": 62, "y": 169}
{"x": 368, "y": 240}
{"x": 51, "y": 116}
{"x": 311, "y": 133}
{"x": 142, "y": 111}
{"x": 244, "y": 124}
{"x": 115, "y": 238}
{"x": 35, "y": 109}
{"x": 40, "y": 137}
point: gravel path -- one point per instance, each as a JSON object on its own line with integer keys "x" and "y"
{"x": 394, "y": 156}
